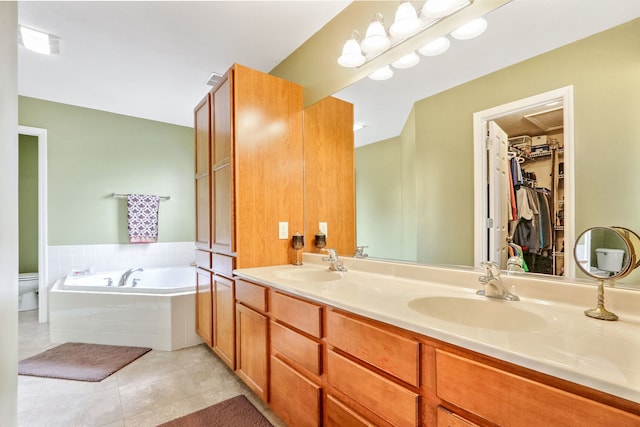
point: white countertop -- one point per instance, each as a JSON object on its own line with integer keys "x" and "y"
{"x": 567, "y": 344}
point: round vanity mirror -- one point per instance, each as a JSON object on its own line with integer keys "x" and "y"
{"x": 606, "y": 253}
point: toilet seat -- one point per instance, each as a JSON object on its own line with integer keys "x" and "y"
{"x": 23, "y": 277}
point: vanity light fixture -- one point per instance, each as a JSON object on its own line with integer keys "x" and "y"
{"x": 39, "y": 41}
{"x": 384, "y": 73}
{"x": 407, "y": 24}
{"x": 435, "y": 47}
{"x": 407, "y": 61}
{"x": 470, "y": 30}
{"x": 376, "y": 39}
{"x": 351, "y": 53}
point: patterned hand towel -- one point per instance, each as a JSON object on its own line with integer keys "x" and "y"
{"x": 142, "y": 217}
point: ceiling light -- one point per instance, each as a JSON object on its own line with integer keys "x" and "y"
{"x": 435, "y": 47}
{"x": 376, "y": 39}
{"x": 407, "y": 61}
{"x": 38, "y": 41}
{"x": 434, "y": 9}
{"x": 470, "y": 30}
{"x": 406, "y": 23}
{"x": 384, "y": 73}
{"x": 351, "y": 54}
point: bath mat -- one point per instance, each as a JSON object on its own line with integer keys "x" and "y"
{"x": 80, "y": 362}
{"x": 234, "y": 412}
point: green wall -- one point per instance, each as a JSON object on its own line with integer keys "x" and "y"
{"x": 28, "y": 203}
{"x": 92, "y": 154}
{"x": 604, "y": 70}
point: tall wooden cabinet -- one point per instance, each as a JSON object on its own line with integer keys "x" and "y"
{"x": 329, "y": 174}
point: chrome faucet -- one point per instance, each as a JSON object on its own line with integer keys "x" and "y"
{"x": 492, "y": 282}
{"x": 126, "y": 274}
{"x": 334, "y": 261}
{"x": 360, "y": 252}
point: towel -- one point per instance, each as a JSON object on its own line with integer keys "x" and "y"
{"x": 142, "y": 217}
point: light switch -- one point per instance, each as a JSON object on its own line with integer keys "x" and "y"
{"x": 283, "y": 230}
{"x": 323, "y": 228}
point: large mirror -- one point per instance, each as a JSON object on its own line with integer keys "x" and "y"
{"x": 415, "y": 176}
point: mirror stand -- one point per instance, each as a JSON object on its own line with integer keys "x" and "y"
{"x": 600, "y": 312}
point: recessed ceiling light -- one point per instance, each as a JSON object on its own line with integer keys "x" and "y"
{"x": 38, "y": 41}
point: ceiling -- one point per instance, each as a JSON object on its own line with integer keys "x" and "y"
{"x": 152, "y": 59}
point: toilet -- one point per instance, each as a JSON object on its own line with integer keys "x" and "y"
{"x": 27, "y": 291}
{"x": 609, "y": 260}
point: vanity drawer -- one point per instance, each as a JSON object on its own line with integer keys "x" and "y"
{"x": 295, "y": 399}
{"x": 383, "y": 397}
{"x": 392, "y": 353}
{"x": 507, "y": 399}
{"x": 223, "y": 264}
{"x": 252, "y": 295}
{"x": 297, "y": 347}
{"x": 338, "y": 415}
{"x": 301, "y": 315}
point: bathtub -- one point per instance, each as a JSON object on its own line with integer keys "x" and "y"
{"x": 163, "y": 280}
{"x": 157, "y": 312}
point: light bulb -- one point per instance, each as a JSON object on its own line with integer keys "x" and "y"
{"x": 376, "y": 39}
{"x": 384, "y": 73}
{"x": 407, "y": 61}
{"x": 435, "y": 47}
{"x": 470, "y": 30}
{"x": 406, "y": 22}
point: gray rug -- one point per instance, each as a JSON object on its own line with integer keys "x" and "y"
{"x": 80, "y": 362}
{"x": 234, "y": 412}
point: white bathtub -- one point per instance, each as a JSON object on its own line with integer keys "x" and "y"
{"x": 161, "y": 280}
{"x": 158, "y": 312}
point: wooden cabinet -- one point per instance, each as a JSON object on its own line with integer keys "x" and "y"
{"x": 446, "y": 418}
{"x": 202, "y": 127}
{"x": 252, "y": 344}
{"x": 294, "y": 398}
{"x": 329, "y": 174}
{"x": 224, "y": 343}
{"x": 204, "y": 306}
{"x": 505, "y": 398}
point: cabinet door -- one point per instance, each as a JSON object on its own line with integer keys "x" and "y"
{"x": 221, "y": 168}
{"x": 202, "y": 143}
{"x": 293, "y": 397}
{"x": 224, "y": 324}
{"x": 251, "y": 349}
{"x": 204, "y": 306}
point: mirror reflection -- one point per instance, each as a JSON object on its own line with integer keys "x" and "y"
{"x": 415, "y": 190}
{"x": 604, "y": 253}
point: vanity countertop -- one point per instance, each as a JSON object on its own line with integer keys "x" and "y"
{"x": 557, "y": 339}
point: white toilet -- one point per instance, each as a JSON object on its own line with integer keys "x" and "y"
{"x": 609, "y": 260}
{"x": 27, "y": 291}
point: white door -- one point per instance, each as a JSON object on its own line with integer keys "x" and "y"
{"x": 499, "y": 202}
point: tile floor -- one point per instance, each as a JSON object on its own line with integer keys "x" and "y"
{"x": 158, "y": 387}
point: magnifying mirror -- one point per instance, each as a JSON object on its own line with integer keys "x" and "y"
{"x": 606, "y": 253}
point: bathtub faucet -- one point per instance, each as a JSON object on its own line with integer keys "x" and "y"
{"x": 126, "y": 274}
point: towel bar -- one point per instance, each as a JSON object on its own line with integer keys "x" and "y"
{"x": 124, "y": 196}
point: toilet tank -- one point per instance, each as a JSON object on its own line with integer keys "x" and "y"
{"x": 610, "y": 259}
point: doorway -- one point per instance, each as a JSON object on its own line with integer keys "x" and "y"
{"x": 493, "y": 230}
{"x": 43, "y": 265}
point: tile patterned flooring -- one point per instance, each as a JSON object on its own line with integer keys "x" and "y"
{"x": 158, "y": 387}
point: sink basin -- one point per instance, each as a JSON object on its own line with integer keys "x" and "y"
{"x": 303, "y": 275}
{"x": 487, "y": 313}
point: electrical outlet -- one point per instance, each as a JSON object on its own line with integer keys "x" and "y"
{"x": 283, "y": 230}
{"x": 323, "y": 228}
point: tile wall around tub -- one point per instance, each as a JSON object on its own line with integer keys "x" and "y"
{"x": 65, "y": 259}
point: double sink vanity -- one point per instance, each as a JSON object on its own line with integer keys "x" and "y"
{"x": 388, "y": 343}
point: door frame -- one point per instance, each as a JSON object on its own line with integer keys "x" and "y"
{"x": 480, "y": 121}
{"x": 43, "y": 242}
